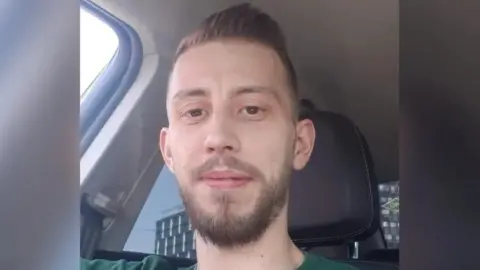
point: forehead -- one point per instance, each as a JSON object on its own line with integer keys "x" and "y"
{"x": 227, "y": 65}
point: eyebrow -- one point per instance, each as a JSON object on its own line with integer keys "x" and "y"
{"x": 252, "y": 90}
{"x": 256, "y": 89}
{"x": 243, "y": 90}
{"x": 190, "y": 93}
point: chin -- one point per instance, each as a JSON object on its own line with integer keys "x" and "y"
{"x": 230, "y": 206}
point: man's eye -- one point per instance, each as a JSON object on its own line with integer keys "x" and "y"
{"x": 252, "y": 110}
{"x": 193, "y": 116}
{"x": 254, "y": 113}
{"x": 194, "y": 113}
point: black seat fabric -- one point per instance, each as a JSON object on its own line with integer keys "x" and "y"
{"x": 383, "y": 255}
{"x": 334, "y": 199}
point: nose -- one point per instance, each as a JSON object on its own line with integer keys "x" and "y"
{"x": 221, "y": 137}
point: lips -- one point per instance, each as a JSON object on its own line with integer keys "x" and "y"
{"x": 225, "y": 179}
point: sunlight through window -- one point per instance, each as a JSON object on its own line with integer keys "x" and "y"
{"x": 98, "y": 44}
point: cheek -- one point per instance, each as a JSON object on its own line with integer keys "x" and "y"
{"x": 268, "y": 150}
{"x": 185, "y": 151}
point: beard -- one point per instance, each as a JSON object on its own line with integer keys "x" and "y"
{"x": 225, "y": 229}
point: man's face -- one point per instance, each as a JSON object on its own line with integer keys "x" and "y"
{"x": 232, "y": 140}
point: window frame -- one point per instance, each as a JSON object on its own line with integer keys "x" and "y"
{"x": 113, "y": 82}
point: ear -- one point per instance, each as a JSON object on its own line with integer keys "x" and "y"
{"x": 165, "y": 148}
{"x": 304, "y": 143}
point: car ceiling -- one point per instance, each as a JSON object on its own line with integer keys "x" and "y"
{"x": 345, "y": 53}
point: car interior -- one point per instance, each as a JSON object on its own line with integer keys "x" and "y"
{"x": 92, "y": 158}
{"x": 339, "y": 188}
{"x": 345, "y": 53}
{"x": 346, "y": 56}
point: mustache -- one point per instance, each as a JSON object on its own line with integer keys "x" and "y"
{"x": 231, "y": 163}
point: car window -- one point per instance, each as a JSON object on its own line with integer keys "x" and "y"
{"x": 390, "y": 212}
{"x": 98, "y": 44}
{"x": 163, "y": 227}
{"x": 111, "y": 58}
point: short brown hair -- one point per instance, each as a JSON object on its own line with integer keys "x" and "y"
{"x": 246, "y": 22}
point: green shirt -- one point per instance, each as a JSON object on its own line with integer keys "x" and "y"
{"x": 153, "y": 262}
{"x": 148, "y": 263}
{"x": 313, "y": 262}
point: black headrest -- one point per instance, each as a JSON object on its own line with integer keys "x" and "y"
{"x": 334, "y": 199}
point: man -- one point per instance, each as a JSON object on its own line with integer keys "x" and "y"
{"x": 233, "y": 140}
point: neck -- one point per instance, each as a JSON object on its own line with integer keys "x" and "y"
{"x": 274, "y": 250}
